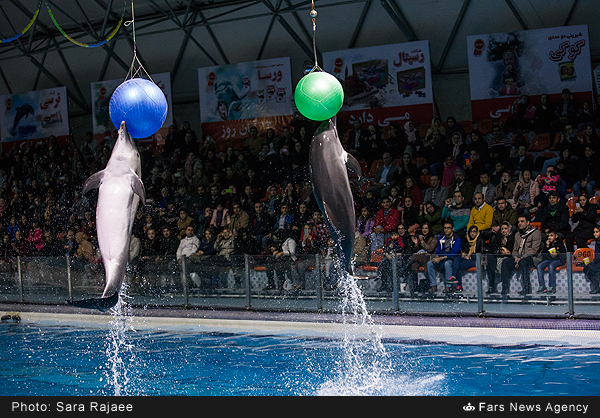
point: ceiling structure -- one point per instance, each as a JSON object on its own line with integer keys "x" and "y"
{"x": 180, "y": 36}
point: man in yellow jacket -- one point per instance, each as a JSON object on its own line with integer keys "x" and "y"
{"x": 482, "y": 215}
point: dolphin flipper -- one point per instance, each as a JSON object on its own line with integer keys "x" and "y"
{"x": 138, "y": 187}
{"x": 102, "y": 304}
{"x": 93, "y": 182}
{"x": 353, "y": 164}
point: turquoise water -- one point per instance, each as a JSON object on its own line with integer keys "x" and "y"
{"x": 57, "y": 360}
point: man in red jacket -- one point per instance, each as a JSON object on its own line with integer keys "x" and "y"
{"x": 386, "y": 221}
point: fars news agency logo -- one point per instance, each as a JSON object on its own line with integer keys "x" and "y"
{"x": 468, "y": 407}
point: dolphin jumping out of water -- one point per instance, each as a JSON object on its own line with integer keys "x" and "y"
{"x": 120, "y": 189}
{"x": 22, "y": 112}
{"x": 329, "y": 164}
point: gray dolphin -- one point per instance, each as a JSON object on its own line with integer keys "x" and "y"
{"x": 120, "y": 189}
{"x": 329, "y": 164}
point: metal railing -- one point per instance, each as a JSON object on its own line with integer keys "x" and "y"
{"x": 305, "y": 284}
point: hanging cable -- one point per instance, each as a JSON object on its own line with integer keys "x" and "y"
{"x": 133, "y": 71}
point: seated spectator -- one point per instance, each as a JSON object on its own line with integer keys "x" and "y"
{"x": 412, "y": 190}
{"x": 184, "y": 221}
{"x": 474, "y": 243}
{"x": 187, "y": 245}
{"x": 239, "y": 219}
{"x": 465, "y": 186}
{"x": 220, "y": 218}
{"x": 520, "y": 161}
{"x": 371, "y": 202}
{"x": 555, "y": 215}
{"x": 499, "y": 145}
{"x": 365, "y": 223}
{"x": 486, "y": 188}
{"x": 548, "y": 182}
{"x": 481, "y": 216}
{"x": 528, "y": 243}
{"x": 474, "y": 167}
{"x": 447, "y": 249}
{"x": 409, "y": 216}
{"x": 425, "y": 247}
{"x": 503, "y": 213}
{"x": 386, "y": 221}
{"x": 395, "y": 197}
{"x": 385, "y": 177}
{"x": 552, "y": 256}
{"x": 584, "y": 215}
{"x": 592, "y": 270}
{"x": 506, "y": 187}
{"x": 432, "y": 214}
{"x": 589, "y": 173}
{"x": 392, "y": 246}
{"x": 500, "y": 247}
{"x": 436, "y": 193}
{"x": 459, "y": 213}
{"x": 261, "y": 225}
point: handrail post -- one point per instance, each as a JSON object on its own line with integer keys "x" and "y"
{"x": 479, "y": 284}
{"x": 319, "y": 283}
{"x": 247, "y": 281}
{"x": 184, "y": 281}
{"x": 571, "y": 312}
{"x": 20, "y": 278}
{"x": 69, "y": 283}
{"x": 395, "y": 283}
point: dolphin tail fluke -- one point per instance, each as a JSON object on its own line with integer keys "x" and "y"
{"x": 101, "y": 304}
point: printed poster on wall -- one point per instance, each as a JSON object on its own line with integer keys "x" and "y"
{"x": 103, "y": 90}
{"x": 237, "y": 96}
{"x": 34, "y": 115}
{"x": 384, "y": 84}
{"x": 503, "y": 66}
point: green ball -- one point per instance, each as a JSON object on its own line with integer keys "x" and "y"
{"x": 319, "y": 96}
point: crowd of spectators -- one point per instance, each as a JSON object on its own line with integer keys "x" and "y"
{"x": 208, "y": 198}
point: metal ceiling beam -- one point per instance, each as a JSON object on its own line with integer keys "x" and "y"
{"x": 6, "y": 83}
{"x": 450, "y": 42}
{"x": 266, "y": 37}
{"x": 290, "y": 30}
{"x": 571, "y": 11}
{"x": 359, "y": 24}
{"x": 398, "y": 17}
{"x": 213, "y": 37}
{"x": 182, "y": 48}
{"x": 517, "y": 14}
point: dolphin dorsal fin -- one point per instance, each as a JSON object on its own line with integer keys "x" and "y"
{"x": 93, "y": 182}
{"x": 138, "y": 186}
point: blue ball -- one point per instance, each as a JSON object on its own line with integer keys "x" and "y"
{"x": 141, "y": 104}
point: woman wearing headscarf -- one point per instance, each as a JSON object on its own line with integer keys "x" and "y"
{"x": 501, "y": 246}
{"x": 473, "y": 243}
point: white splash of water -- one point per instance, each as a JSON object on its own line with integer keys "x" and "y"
{"x": 364, "y": 365}
{"x": 119, "y": 349}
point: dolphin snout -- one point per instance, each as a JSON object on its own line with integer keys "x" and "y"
{"x": 123, "y": 127}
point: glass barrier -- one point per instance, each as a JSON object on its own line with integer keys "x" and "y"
{"x": 9, "y": 280}
{"x": 411, "y": 283}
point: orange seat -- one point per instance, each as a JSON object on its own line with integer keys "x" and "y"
{"x": 364, "y": 167}
{"x": 485, "y": 126}
{"x": 374, "y": 166}
{"x": 423, "y": 128}
{"x": 260, "y": 268}
{"x": 583, "y": 256}
{"x": 467, "y": 126}
{"x": 537, "y": 225}
{"x": 365, "y": 186}
{"x": 540, "y": 142}
{"x": 377, "y": 255}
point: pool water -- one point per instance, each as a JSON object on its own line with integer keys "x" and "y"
{"x": 58, "y": 360}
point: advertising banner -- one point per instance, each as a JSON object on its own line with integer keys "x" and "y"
{"x": 503, "y": 66}
{"x": 34, "y": 115}
{"x": 384, "y": 84}
{"x": 235, "y": 97}
{"x": 103, "y": 90}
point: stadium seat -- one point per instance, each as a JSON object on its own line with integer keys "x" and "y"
{"x": 540, "y": 142}
{"x": 485, "y": 126}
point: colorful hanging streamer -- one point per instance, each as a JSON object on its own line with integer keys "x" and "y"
{"x": 113, "y": 33}
{"x": 17, "y": 36}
